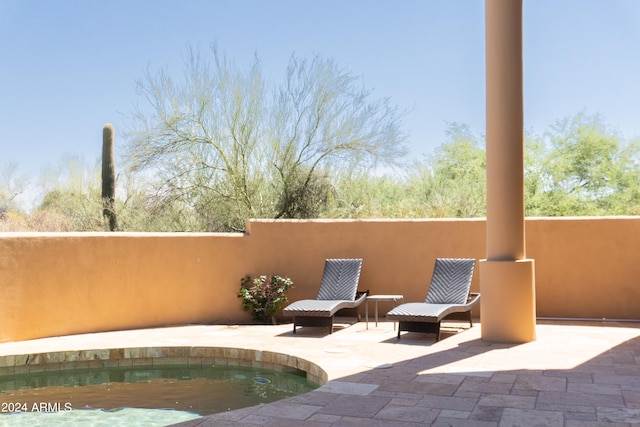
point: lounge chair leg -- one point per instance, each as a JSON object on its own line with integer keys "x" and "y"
{"x": 398, "y": 333}
{"x": 438, "y": 332}
{"x": 294, "y": 326}
{"x": 470, "y": 320}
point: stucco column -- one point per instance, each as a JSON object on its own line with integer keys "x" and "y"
{"x": 507, "y": 282}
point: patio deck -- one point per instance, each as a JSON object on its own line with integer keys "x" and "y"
{"x": 574, "y": 374}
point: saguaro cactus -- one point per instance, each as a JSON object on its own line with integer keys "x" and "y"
{"x": 108, "y": 178}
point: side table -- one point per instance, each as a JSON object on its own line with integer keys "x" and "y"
{"x": 376, "y": 298}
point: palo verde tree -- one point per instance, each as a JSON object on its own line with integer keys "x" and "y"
{"x": 324, "y": 122}
{"x": 225, "y": 145}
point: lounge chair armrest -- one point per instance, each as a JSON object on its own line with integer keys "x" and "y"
{"x": 473, "y": 299}
{"x": 360, "y": 300}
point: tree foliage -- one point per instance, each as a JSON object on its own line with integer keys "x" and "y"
{"x": 452, "y": 183}
{"x": 72, "y": 191}
{"x": 584, "y": 168}
{"x": 228, "y": 146}
{"x": 12, "y": 185}
{"x": 365, "y": 194}
{"x": 223, "y": 147}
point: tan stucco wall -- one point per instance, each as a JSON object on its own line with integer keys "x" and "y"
{"x": 65, "y": 283}
{"x": 586, "y": 267}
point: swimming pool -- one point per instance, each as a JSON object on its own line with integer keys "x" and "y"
{"x": 145, "y": 386}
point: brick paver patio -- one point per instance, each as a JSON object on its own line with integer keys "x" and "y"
{"x": 574, "y": 374}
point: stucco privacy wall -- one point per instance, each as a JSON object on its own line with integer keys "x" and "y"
{"x": 58, "y": 284}
{"x": 65, "y": 283}
{"x": 586, "y": 267}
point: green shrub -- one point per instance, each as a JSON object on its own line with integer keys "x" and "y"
{"x": 264, "y": 296}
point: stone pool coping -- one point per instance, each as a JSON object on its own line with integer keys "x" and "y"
{"x": 349, "y": 349}
{"x": 154, "y": 356}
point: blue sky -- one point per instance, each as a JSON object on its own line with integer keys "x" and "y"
{"x": 68, "y": 67}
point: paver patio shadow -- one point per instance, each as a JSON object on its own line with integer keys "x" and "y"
{"x": 562, "y": 379}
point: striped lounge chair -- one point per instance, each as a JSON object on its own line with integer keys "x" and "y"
{"x": 337, "y": 291}
{"x": 448, "y": 297}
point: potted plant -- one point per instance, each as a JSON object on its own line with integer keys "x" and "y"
{"x": 264, "y": 296}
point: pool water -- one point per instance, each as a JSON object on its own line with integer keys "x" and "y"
{"x": 130, "y": 417}
{"x": 138, "y": 395}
